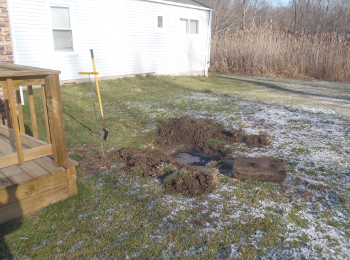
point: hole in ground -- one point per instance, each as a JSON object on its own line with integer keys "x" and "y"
{"x": 194, "y": 158}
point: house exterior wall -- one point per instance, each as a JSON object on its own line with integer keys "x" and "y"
{"x": 121, "y": 32}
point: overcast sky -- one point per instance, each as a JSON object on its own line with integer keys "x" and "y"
{"x": 279, "y": 2}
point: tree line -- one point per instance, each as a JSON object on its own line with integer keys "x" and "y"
{"x": 302, "y": 16}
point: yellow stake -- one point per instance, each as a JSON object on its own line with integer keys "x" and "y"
{"x": 97, "y": 87}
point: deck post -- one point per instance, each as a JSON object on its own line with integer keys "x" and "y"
{"x": 55, "y": 116}
{"x": 15, "y": 122}
{"x": 46, "y": 116}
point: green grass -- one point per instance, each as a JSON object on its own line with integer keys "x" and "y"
{"x": 132, "y": 217}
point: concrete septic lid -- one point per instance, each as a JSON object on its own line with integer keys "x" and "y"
{"x": 259, "y": 169}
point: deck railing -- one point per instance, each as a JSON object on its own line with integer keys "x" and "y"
{"x": 30, "y": 147}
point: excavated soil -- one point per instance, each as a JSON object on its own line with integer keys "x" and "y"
{"x": 178, "y": 177}
{"x": 191, "y": 183}
{"x": 189, "y": 133}
{"x": 182, "y": 134}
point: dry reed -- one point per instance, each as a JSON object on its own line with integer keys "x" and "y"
{"x": 271, "y": 52}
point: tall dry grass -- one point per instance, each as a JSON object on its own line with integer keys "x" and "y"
{"x": 271, "y": 52}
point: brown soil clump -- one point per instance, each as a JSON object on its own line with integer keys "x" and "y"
{"x": 148, "y": 163}
{"x": 258, "y": 140}
{"x": 207, "y": 91}
{"x": 191, "y": 183}
{"x": 203, "y": 136}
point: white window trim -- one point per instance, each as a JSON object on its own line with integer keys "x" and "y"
{"x": 179, "y": 34}
{"x": 156, "y": 29}
{"x": 70, "y": 5}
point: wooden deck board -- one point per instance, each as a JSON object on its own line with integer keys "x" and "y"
{"x": 5, "y": 147}
{"x": 4, "y": 182}
{"x": 33, "y": 168}
{"x": 15, "y": 174}
{"x": 47, "y": 163}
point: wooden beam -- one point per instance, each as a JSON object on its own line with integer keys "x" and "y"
{"x": 7, "y": 107}
{"x": 15, "y": 122}
{"x": 32, "y": 187}
{"x": 26, "y": 139}
{"x": 32, "y": 204}
{"x": 20, "y": 112}
{"x": 23, "y": 82}
{"x": 54, "y": 109}
{"x": 46, "y": 116}
{"x": 72, "y": 181}
{"x": 28, "y": 155}
{"x": 32, "y": 112}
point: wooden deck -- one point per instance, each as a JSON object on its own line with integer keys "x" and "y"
{"x": 33, "y": 173}
{"x": 33, "y": 185}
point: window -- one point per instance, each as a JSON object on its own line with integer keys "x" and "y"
{"x": 159, "y": 22}
{"x": 188, "y": 26}
{"x": 61, "y": 28}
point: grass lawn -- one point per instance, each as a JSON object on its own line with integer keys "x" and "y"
{"x": 304, "y": 217}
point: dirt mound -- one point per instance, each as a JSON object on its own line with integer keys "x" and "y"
{"x": 194, "y": 134}
{"x": 176, "y": 135}
{"x": 258, "y": 140}
{"x": 203, "y": 135}
{"x": 191, "y": 183}
{"x": 148, "y": 163}
{"x": 207, "y": 91}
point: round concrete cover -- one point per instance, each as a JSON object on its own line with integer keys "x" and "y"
{"x": 259, "y": 169}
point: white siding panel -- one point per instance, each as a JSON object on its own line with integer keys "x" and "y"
{"x": 121, "y": 32}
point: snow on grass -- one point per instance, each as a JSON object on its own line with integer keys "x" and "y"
{"x": 314, "y": 143}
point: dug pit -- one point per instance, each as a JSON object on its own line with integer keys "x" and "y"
{"x": 185, "y": 153}
{"x": 194, "y": 158}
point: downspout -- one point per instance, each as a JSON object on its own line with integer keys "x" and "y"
{"x": 207, "y": 56}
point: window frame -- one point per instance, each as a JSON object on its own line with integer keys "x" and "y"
{"x": 156, "y": 28}
{"x": 188, "y": 18}
{"x": 70, "y": 7}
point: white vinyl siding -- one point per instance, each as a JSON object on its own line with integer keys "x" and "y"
{"x": 120, "y": 47}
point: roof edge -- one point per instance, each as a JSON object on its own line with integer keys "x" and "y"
{"x": 207, "y": 8}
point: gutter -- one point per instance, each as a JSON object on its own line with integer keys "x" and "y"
{"x": 179, "y": 4}
{"x": 207, "y": 56}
